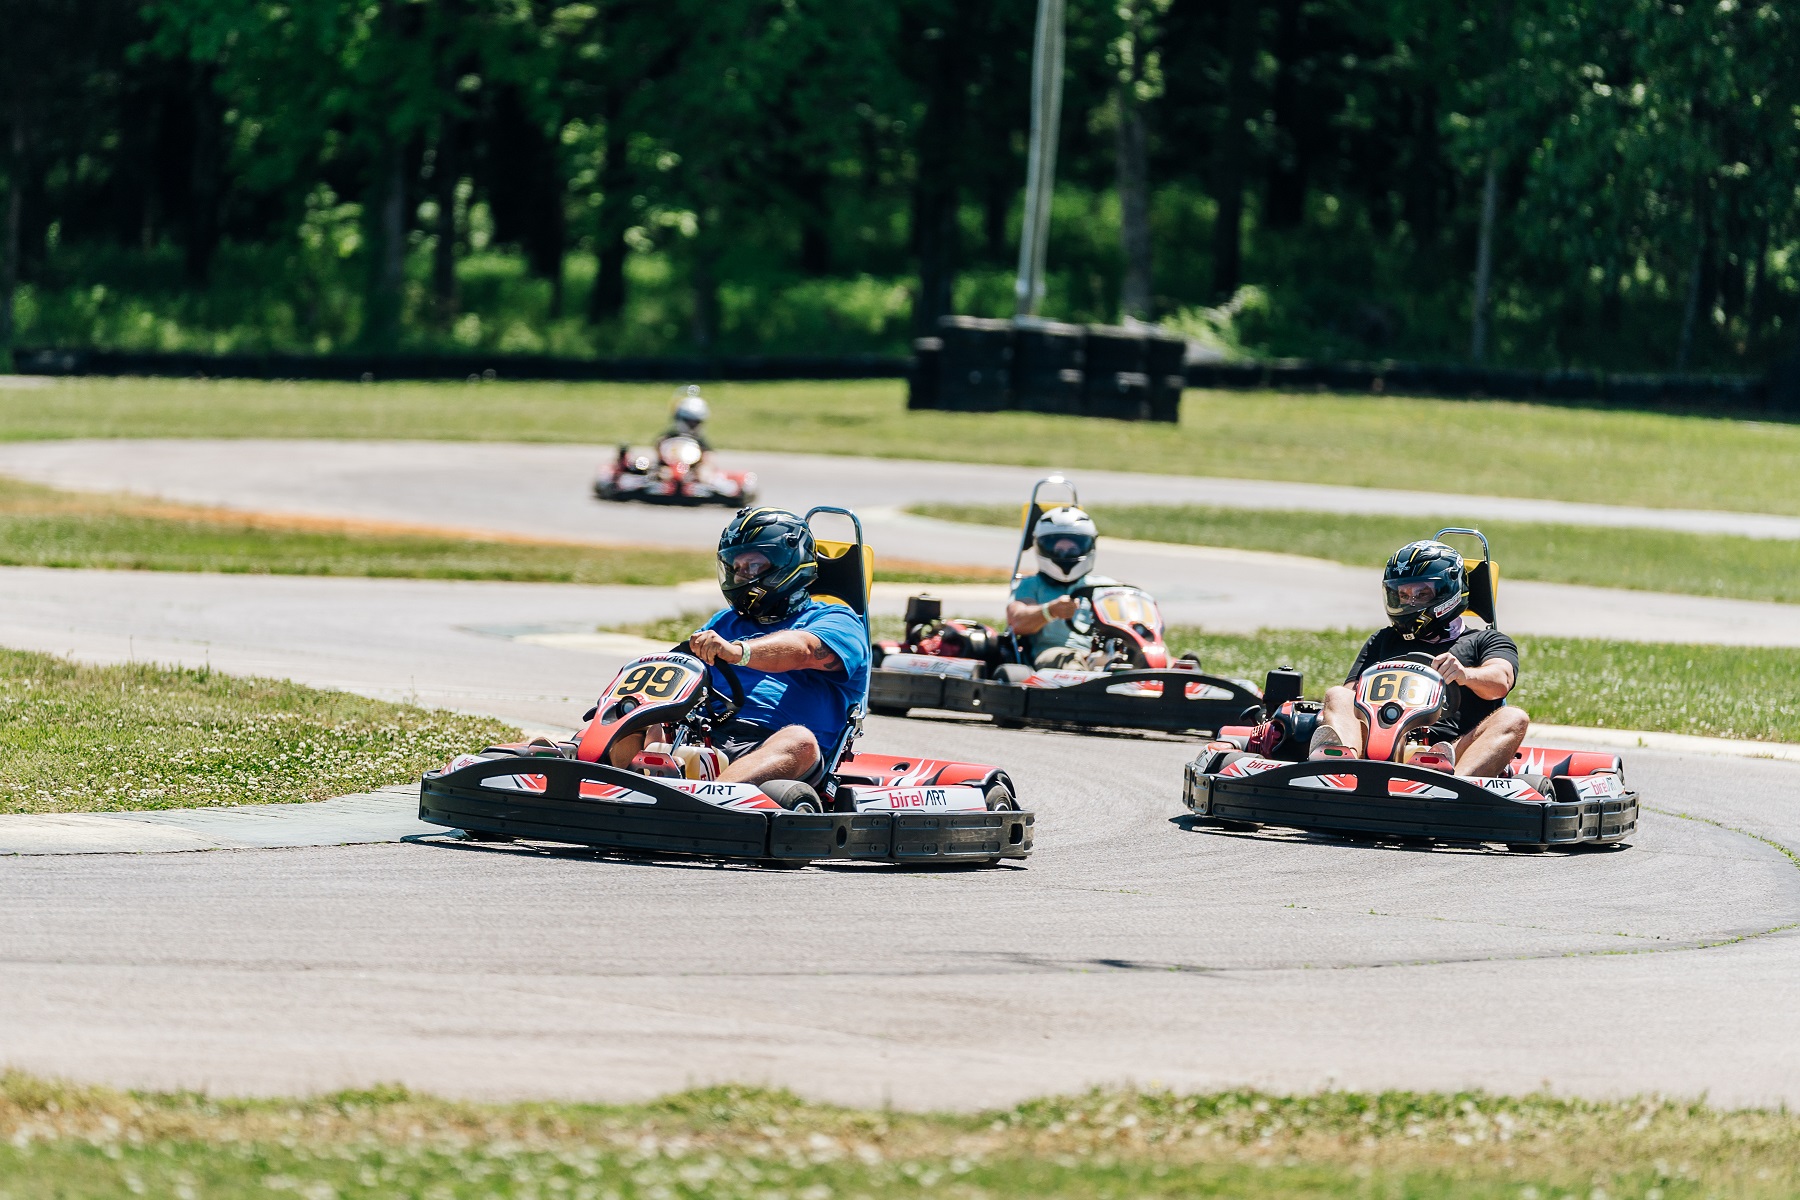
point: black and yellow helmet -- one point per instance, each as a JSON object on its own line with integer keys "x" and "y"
{"x": 1425, "y": 588}
{"x": 766, "y": 562}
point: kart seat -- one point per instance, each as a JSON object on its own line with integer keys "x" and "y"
{"x": 845, "y": 576}
{"x": 1484, "y": 582}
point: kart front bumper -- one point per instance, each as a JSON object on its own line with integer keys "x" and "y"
{"x": 657, "y": 819}
{"x": 1401, "y": 801}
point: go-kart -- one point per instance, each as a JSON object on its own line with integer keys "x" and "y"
{"x": 870, "y": 807}
{"x": 1401, "y": 786}
{"x": 672, "y": 473}
{"x": 1131, "y": 681}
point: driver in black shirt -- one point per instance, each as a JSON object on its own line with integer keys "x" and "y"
{"x": 1427, "y": 592}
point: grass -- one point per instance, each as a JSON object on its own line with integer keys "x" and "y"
{"x": 727, "y": 1142}
{"x": 1650, "y": 560}
{"x": 1486, "y": 447}
{"x": 1708, "y": 691}
{"x": 98, "y": 739}
{"x": 44, "y": 527}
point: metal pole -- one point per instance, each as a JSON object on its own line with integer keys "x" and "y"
{"x": 1040, "y": 164}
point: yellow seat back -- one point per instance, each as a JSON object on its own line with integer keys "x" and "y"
{"x": 844, "y": 577}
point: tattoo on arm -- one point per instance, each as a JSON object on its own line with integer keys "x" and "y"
{"x": 822, "y": 657}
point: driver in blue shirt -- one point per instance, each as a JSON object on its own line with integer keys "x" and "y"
{"x": 803, "y": 664}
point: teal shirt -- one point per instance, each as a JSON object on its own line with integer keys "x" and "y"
{"x": 1039, "y": 589}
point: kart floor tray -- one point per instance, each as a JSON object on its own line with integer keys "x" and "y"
{"x": 1428, "y": 804}
{"x": 1151, "y": 700}
{"x": 652, "y": 818}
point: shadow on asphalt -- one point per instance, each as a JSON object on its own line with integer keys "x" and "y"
{"x": 1189, "y": 823}
{"x": 454, "y": 840}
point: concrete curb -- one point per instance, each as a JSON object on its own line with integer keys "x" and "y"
{"x": 385, "y": 815}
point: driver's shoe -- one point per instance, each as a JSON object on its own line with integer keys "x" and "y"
{"x": 793, "y": 795}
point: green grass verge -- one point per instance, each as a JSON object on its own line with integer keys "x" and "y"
{"x": 1647, "y": 560}
{"x": 1489, "y": 448}
{"x": 44, "y": 527}
{"x": 97, "y": 739}
{"x": 724, "y": 1143}
{"x": 1708, "y": 691}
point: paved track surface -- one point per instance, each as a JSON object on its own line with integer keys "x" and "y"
{"x": 1129, "y": 948}
{"x": 542, "y": 490}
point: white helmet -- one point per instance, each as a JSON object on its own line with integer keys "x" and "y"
{"x": 1064, "y": 543}
{"x": 689, "y": 407}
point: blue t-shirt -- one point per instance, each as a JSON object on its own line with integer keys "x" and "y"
{"x": 819, "y": 700}
{"x": 1041, "y": 589}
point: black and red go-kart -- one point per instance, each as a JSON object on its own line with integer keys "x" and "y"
{"x": 964, "y": 666}
{"x": 871, "y": 807}
{"x": 1402, "y": 788}
{"x": 672, "y": 473}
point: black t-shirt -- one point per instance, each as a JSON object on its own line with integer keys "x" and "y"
{"x": 1474, "y": 647}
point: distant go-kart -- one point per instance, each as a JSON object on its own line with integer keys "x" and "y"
{"x": 871, "y": 807}
{"x": 1547, "y": 797}
{"x": 670, "y": 473}
{"x": 965, "y": 666}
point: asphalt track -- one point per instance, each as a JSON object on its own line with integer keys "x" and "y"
{"x": 542, "y": 490}
{"x": 1129, "y": 948}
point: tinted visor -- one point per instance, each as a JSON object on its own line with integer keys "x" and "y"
{"x": 742, "y": 565}
{"x": 1065, "y": 549}
{"x": 1408, "y": 596}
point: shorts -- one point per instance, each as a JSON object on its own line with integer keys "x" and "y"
{"x": 1063, "y": 658}
{"x": 740, "y": 738}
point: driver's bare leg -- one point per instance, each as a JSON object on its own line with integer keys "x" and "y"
{"x": 1338, "y": 725}
{"x": 1488, "y": 747}
{"x": 625, "y": 749}
{"x": 788, "y": 754}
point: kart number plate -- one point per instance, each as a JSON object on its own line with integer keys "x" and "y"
{"x": 654, "y": 681}
{"x": 1410, "y": 689}
{"x": 1126, "y": 609}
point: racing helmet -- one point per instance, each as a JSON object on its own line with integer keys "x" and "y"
{"x": 766, "y": 563}
{"x": 690, "y": 408}
{"x": 1064, "y": 543}
{"x": 1425, "y": 589}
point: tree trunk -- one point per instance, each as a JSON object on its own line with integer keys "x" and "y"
{"x": 1134, "y": 205}
{"x": 1757, "y": 304}
{"x": 9, "y": 237}
{"x": 1234, "y": 148}
{"x": 446, "y": 173}
{"x": 203, "y": 177}
{"x": 1286, "y": 190}
{"x": 1690, "y": 311}
{"x": 935, "y": 195}
{"x": 1484, "y": 262}
{"x": 387, "y": 248}
{"x": 607, "y": 300}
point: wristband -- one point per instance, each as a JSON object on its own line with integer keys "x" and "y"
{"x": 743, "y": 651}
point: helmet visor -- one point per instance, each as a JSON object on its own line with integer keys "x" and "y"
{"x": 743, "y": 565}
{"x": 1064, "y": 549}
{"x": 1406, "y": 597}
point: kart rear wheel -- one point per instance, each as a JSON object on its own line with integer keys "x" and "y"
{"x": 1000, "y": 799}
{"x": 477, "y": 835}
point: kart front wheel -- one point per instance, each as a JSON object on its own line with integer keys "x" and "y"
{"x": 1000, "y": 799}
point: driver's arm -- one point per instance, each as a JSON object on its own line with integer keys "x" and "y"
{"x": 1023, "y": 617}
{"x": 787, "y": 650}
{"x": 1491, "y": 680}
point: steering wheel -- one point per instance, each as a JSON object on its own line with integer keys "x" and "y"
{"x": 1083, "y": 593}
{"x": 728, "y": 708}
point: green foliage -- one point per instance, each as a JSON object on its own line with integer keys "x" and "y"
{"x": 84, "y": 739}
{"x": 1650, "y": 560}
{"x": 785, "y": 175}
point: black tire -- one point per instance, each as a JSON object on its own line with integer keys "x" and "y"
{"x": 793, "y": 795}
{"x": 1013, "y": 672}
{"x": 888, "y": 710}
{"x": 1527, "y": 847}
{"x": 1000, "y": 798}
{"x": 477, "y": 835}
